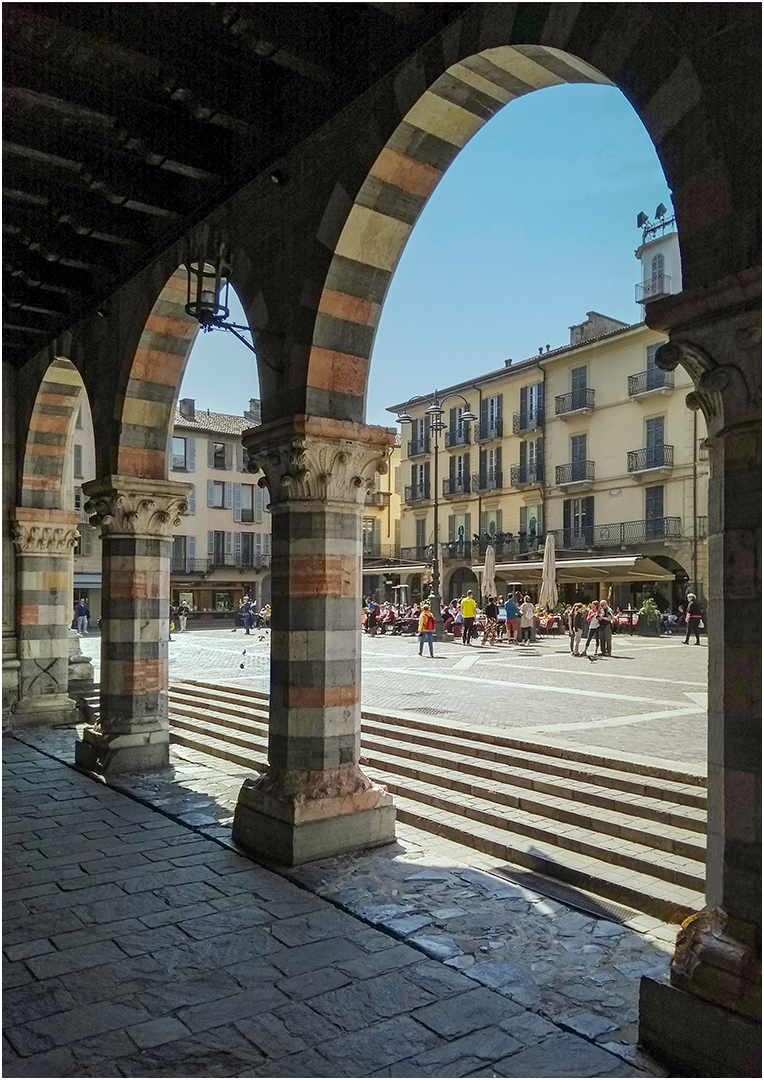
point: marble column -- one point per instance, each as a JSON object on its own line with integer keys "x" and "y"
{"x": 136, "y": 517}
{"x": 709, "y": 1018}
{"x": 314, "y": 800}
{"x": 44, "y": 541}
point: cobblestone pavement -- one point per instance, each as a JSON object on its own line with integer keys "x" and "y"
{"x": 136, "y": 945}
{"x": 648, "y": 700}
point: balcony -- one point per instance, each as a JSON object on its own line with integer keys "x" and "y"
{"x": 575, "y": 472}
{"x": 574, "y": 402}
{"x": 417, "y": 493}
{"x": 527, "y": 421}
{"x": 490, "y": 430}
{"x": 488, "y": 480}
{"x": 620, "y": 534}
{"x": 650, "y": 459}
{"x": 181, "y": 567}
{"x": 379, "y": 551}
{"x": 417, "y": 447}
{"x": 647, "y": 382}
{"x": 377, "y": 498}
{"x": 505, "y": 545}
{"x": 417, "y": 554}
{"x": 521, "y": 476}
{"x": 456, "y": 485}
{"x": 646, "y": 291}
{"x": 458, "y": 436}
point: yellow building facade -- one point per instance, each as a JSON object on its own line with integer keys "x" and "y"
{"x": 591, "y": 442}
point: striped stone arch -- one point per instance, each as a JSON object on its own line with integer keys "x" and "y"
{"x": 48, "y": 439}
{"x": 146, "y": 411}
{"x": 396, "y": 190}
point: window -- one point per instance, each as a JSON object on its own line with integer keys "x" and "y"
{"x": 655, "y": 377}
{"x": 459, "y": 535}
{"x": 84, "y": 543}
{"x": 490, "y": 417}
{"x": 78, "y": 423}
{"x": 656, "y": 274}
{"x": 490, "y": 523}
{"x": 179, "y": 549}
{"x": 178, "y": 452}
{"x": 654, "y": 513}
{"x": 216, "y": 494}
{"x": 218, "y": 455}
{"x": 371, "y": 536}
{"x": 530, "y": 521}
{"x": 578, "y": 457}
{"x": 248, "y": 502}
{"x": 421, "y": 534}
{"x": 578, "y": 522}
{"x": 578, "y": 387}
{"x": 654, "y": 442}
{"x": 248, "y": 549}
{"x": 78, "y": 460}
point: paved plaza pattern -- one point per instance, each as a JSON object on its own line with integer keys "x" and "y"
{"x": 647, "y": 701}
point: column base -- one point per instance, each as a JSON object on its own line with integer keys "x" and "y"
{"x": 110, "y": 754}
{"x": 294, "y": 817}
{"x": 695, "y": 1037}
{"x": 48, "y": 710}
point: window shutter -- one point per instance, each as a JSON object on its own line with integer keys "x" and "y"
{"x": 210, "y": 453}
{"x": 229, "y": 455}
{"x": 259, "y": 499}
{"x": 191, "y": 455}
{"x": 210, "y": 543}
{"x": 497, "y": 460}
{"x": 523, "y": 399}
{"x": 87, "y": 542}
{"x": 498, "y": 406}
{"x": 498, "y": 521}
{"x": 566, "y": 515}
{"x": 451, "y": 528}
{"x": 192, "y": 501}
{"x": 239, "y": 457}
{"x": 258, "y": 544}
{"x": 266, "y": 500}
{"x": 192, "y": 547}
{"x": 228, "y": 543}
{"x": 237, "y": 546}
{"x": 484, "y": 412}
{"x": 267, "y": 543}
{"x": 210, "y": 493}
{"x": 228, "y": 495}
{"x": 483, "y": 522}
{"x": 523, "y": 454}
{"x": 541, "y": 395}
{"x": 236, "y": 502}
{"x": 588, "y": 508}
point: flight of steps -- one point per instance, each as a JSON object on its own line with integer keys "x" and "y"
{"x": 629, "y": 833}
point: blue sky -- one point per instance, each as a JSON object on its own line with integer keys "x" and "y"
{"x": 533, "y": 225}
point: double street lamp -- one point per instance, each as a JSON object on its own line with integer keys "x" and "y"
{"x": 433, "y": 428}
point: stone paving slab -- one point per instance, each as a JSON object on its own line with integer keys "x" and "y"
{"x": 222, "y": 968}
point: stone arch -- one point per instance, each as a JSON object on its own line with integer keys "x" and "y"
{"x": 406, "y": 172}
{"x": 146, "y": 407}
{"x": 49, "y": 437}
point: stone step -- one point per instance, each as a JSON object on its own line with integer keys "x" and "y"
{"x": 561, "y": 806}
{"x": 671, "y": 903}
{"x": 683, "y": 787}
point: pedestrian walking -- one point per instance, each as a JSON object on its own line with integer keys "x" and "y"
{"x": 605, "y": 617}
{"x": 501, "y": 620}
{"x": 510, "y": 608}
{"x": 468, "y": 608}
{"x": 593, "y": 633}
{"x": 578, "y": 621}
{"x": 247, "y": 616}
{"x": 693, "y": 616}
{"x": 426, "y": 627}
{"x": 491, "y": 612}
{"x": 183, "y": 612}
{"x": 527, "y": 616}
{"x": 82, "y": 615}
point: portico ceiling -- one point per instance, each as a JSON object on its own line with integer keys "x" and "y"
{"x": 126, "y": 124}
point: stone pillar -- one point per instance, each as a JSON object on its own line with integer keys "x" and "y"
{"x": 709, "y": 1018}
{"x": 44, "y": 541}
{"x": 136, "y": 517}
{"x": 314, "y": 801}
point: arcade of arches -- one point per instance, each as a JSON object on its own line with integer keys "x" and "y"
{"x": 314, "y": 231}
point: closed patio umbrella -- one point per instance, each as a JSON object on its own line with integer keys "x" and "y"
{"x": 488, "y": 587}
{"x": 548, "y": 592}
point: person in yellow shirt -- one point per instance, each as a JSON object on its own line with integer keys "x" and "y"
{"x": 468, "y": 607}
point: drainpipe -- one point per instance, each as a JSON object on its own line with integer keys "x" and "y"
{"x": 695, "y": 500}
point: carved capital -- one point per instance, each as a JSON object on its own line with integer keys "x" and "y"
{"x": 44, "y": 532}
{"x": 133, "y": 506}
{"x": 723, "y": 391}
{"x": 319, "y": 460}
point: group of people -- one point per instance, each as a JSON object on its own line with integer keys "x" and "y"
{"x": 251, "y": 618}
{"x": 594, "y": 624}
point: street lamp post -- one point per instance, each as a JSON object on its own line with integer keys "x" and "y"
{"x": 435, "y": 426}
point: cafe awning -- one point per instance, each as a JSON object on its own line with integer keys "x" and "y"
{"x": 612, "y": 569}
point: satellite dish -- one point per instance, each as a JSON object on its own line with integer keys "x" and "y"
{"x": 642, "y": 220}
{"x": 660, "y": 211}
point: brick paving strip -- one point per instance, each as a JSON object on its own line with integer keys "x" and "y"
{"x": 136, "y": 945}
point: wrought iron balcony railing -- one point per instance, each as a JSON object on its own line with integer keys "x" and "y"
{"x": 417, "y": 447}
{"x": 491, "y": 429}
{"x": 506, "y": 545}
{"x": 488, "y": 480}
{"x": 575, "y": 472}
{"x": 189, "y": 566}
{"x": 527, "y": 421}
{"x": 458, "y": 436}
{"x": 660, "y": 285}
{"x": 417, "y": 492}
{"x": 522, "y": 475}
{"x": 575, "y": 401}
{"x": 377, "y": 498}
{"x": 650, "y": 457}
{"x": 182, "y": 566}
{"x": 618, "y": 534}
{"x": 456, "y": 485}
{"x": 379, "y": 551}
{"x": 417, "y": 554}
{"x": 646, "y": 381}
